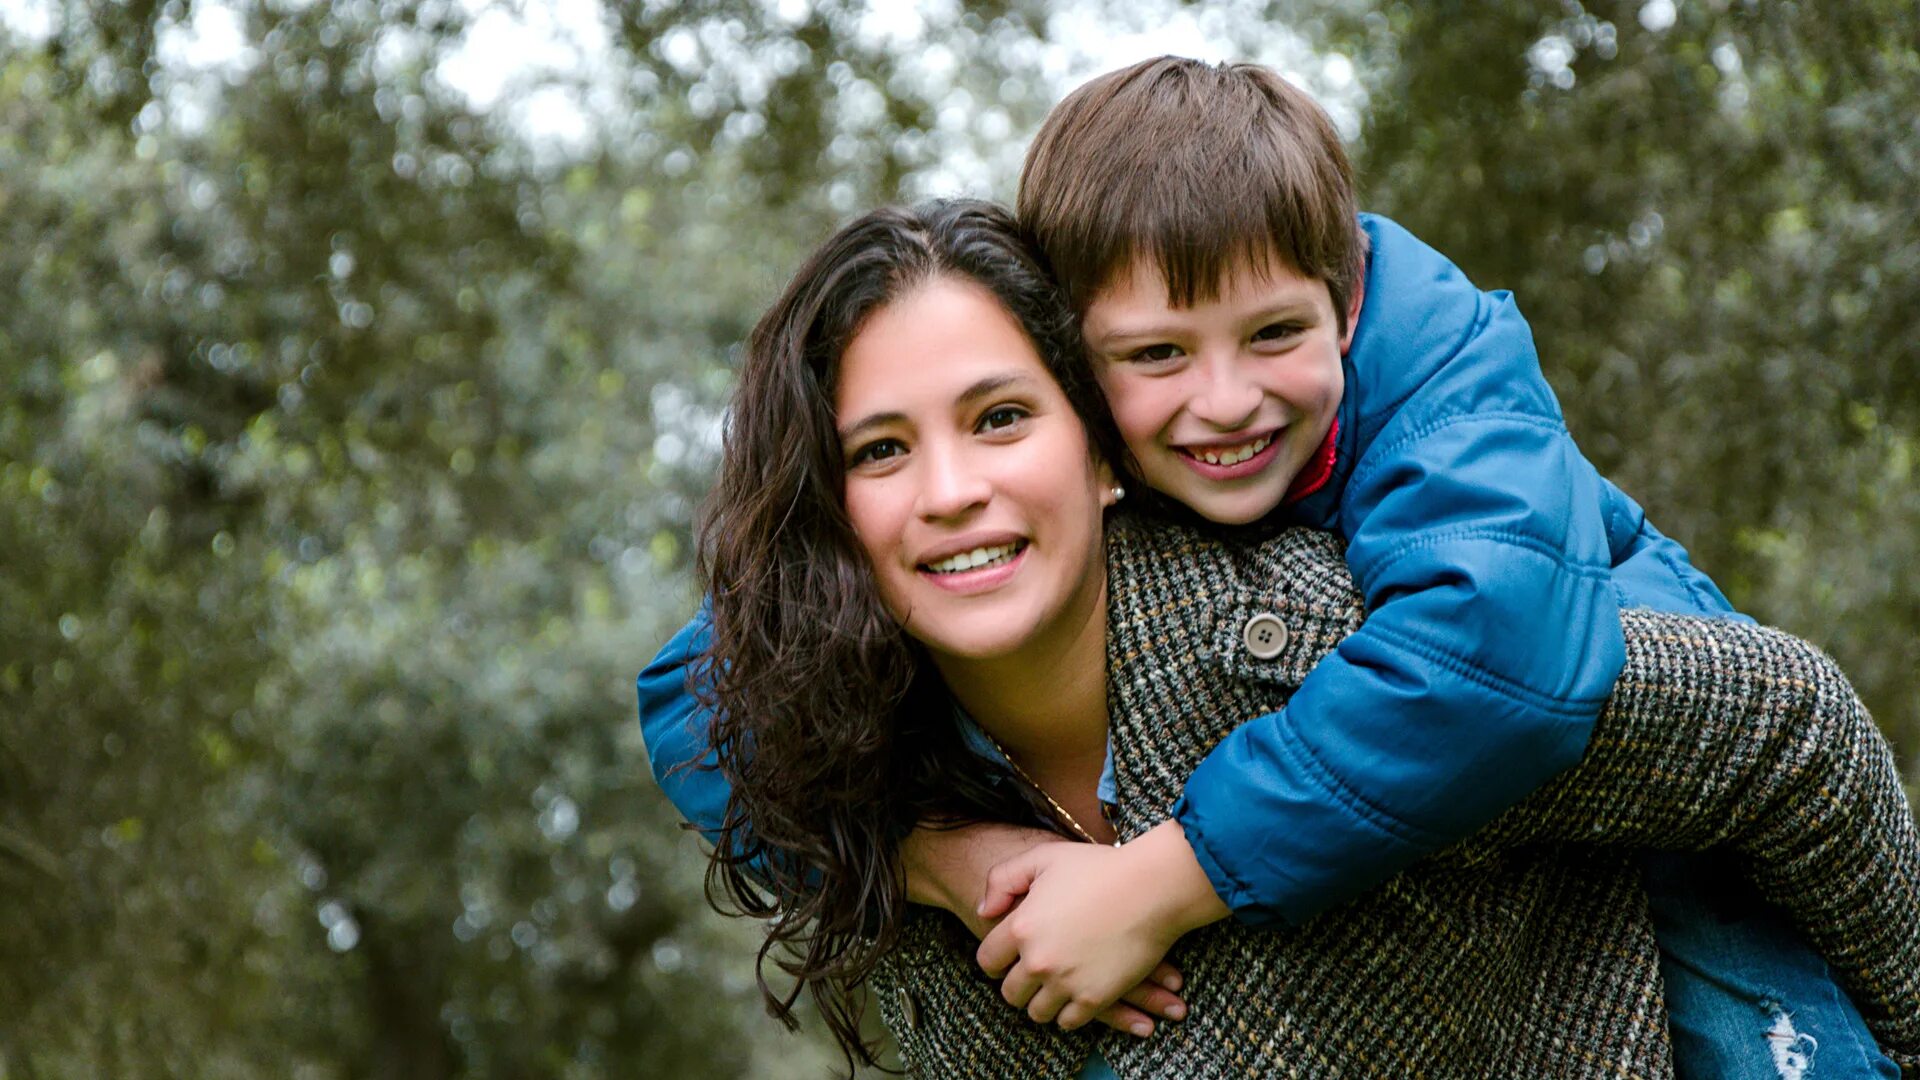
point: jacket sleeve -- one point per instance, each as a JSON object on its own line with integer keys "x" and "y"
{"x": 1650, "y": 570}
{"x": 675, "y": 727}
{"x": 1476, "y": 534}
{"x": 1727, "y": 734}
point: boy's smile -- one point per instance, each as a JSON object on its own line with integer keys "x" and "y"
{"x": 1223, "y": 402}
{"x": 1231, "y": 460}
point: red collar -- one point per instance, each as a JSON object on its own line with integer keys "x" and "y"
{"x": 1319, "y": 468}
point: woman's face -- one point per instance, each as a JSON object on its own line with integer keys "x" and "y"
{"x": 969, "y": 481}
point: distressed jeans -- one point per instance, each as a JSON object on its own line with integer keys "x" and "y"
{"x": 1747, "y": 997}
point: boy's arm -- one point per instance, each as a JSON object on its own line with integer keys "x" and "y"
{"x": 674, "y": 725}
{"x": 1727, "y": 734}
{"x": 1476, "y": 534}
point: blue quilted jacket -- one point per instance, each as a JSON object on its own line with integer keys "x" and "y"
{"x": 1494, "y": 559}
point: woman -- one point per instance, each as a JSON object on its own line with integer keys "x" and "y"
{"x": 908, "y": 519}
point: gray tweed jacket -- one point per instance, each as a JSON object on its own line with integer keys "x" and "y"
{"x": 1525, "y": 951}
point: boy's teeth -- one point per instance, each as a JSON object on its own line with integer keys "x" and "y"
{"x": 967, "y": 560}
{"x": 1235, "y": 455}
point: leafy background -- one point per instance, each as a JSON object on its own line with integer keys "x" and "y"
{"x": 352, "y": 419}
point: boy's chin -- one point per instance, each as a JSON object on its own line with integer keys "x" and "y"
{"x": 1242, "y": 507}
{"x": 1239, "y": 502}
{"x": 1237, "y": 515}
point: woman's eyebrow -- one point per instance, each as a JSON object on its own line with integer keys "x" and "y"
{"x": 992, "y": 384}
{"x": 872, "y": 420}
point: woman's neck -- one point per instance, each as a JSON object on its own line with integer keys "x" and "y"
{"x": 1047, "y": 704}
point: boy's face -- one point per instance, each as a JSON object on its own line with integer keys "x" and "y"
{"x": 1222, "y": 403}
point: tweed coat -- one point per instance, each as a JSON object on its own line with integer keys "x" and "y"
{"x": 1526, "y": 951}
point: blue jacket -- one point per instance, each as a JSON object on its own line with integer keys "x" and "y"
{"x": 1494, "y": 559}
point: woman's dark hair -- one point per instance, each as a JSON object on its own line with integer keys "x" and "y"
{"x": 832, "y": 733}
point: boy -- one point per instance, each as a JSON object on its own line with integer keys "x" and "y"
{"x": 1269, "y": 361}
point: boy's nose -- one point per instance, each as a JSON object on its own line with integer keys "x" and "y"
{"x": 1226, "y": 398}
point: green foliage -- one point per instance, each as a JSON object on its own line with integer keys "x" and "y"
{"x": 349, "y": 445}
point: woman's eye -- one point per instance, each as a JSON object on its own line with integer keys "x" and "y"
{"x": 1002, "y": 417}
{"x": 879, "y": 450}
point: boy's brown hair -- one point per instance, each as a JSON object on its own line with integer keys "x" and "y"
{"x": 1196, "y": 167}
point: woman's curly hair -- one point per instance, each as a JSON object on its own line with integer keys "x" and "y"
{"x": 834, "y": 735}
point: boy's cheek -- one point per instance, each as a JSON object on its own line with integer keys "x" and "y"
{"x": 1139, "y": 405}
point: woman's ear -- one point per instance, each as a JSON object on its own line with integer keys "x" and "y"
{"x": 1111, "y": 490}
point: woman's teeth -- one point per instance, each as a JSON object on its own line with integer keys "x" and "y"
{"x": 978, "y": 557}
{"x": 1233, "y": 455}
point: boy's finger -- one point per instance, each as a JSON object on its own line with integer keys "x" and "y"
{"x": 1006, "y": 883}
{"x": 1121, "y": 1016}
{"x": 1019, "y": 987}
{"x": 997, "y": 951}
{"x": 1168, "y": 976}
{"x": 1073, "y": 1015}
{"x": 1156, "y": 1000}
{"x": 1046, "y": 1004}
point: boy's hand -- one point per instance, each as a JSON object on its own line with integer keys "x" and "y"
{"x": 1094, "y": 921}
{"x": 949, "y": 868}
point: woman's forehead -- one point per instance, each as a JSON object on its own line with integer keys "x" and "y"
{"x": 942, "y": 342}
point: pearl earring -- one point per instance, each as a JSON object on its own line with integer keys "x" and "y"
{"x": 1119, "y": 493}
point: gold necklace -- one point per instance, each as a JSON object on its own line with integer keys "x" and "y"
{"x": 1035, "y": 785}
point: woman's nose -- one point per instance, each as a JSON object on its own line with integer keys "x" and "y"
{"x": 951, "y": 484}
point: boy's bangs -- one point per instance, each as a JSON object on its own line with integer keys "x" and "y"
{"x": 1197, "y": 170}
{"x": 1199, "y": 239}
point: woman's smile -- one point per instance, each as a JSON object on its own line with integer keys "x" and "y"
{"x": 976, "y": 568}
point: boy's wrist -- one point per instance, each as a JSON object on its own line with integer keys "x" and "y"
{"x": 1181, "y": 890}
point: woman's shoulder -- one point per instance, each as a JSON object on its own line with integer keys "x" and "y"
{"x": 1291, "y": 567}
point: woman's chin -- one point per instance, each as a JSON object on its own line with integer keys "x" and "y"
{"x": 977, "y": 636}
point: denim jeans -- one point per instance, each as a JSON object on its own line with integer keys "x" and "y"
{"x": 1096, "y": 1068}
{"x": 1746, "y": 995}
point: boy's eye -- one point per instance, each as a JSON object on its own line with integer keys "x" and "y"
{"x": 1156, "y": 353}
{"x": 1001, "y": 417}
{"x": 1276, "y": 331}
{"x": 877, "y": 450}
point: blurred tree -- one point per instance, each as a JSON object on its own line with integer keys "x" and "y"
{"x": 347, "y": 450}
{"x": 349, "y": 440}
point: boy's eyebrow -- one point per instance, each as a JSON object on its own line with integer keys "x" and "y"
{"x": 1157, "y": 332}
{"x": 992, "y": 384}
{"x": 1130, "y": 333}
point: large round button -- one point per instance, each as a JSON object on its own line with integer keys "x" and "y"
{"x": 1265, "y": 635}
